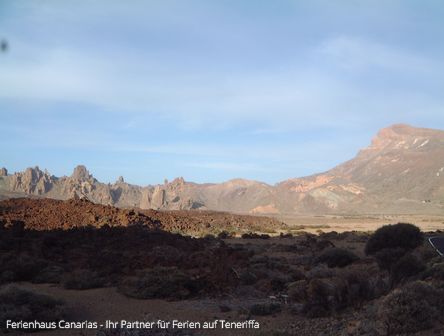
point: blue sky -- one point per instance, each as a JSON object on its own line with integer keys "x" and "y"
{"x": 212, "y": 90}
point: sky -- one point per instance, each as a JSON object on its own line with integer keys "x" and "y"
{"x": 212, "y": 89}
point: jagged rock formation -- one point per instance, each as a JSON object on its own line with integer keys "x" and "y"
{"x": 402, "y": 171}
{"x": 32, "y": 181}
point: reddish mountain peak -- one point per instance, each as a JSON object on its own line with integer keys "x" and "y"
{"x": 402, "y": 130}
{"x": 396, "y": 131}
{"x": 399, "y": 134}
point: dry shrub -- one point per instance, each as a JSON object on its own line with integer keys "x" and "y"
{"x": 337, "y": 257}
{"x": 249, "y": 277}
{"x": 412, "y": 308}
{"x": 347, "y": 288}
{"x": 49, "y": 274}
{"x": 296, "y": 274}
{"x": 320, "y": 294}
{"x": 435, "y": 271}
{"x": 263, "y": 309}
{"x": 323, "y": 244}
{"x": 82, "y": 279}
{"x": 426, "y": 252}
{"x": 297, "y": 291}
{"x": 320, "y": 272}
{"x": 252, "y": 235}
{"x": 17, "y": 304}
{"x": 401, "y": 235}
{"x": 165, "y": 255}
{"x": 264, "y": 278}
{"x": 22, "y": 267}
{"x": 408, "y": 266}
{"x": 362, "y": 283}
{"x": 225, "y": 235}
{"x": 388, "y": 256}
{"x": 160, "y": 283}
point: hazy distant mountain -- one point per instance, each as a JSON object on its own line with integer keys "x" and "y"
{"x": 402, "y": 171}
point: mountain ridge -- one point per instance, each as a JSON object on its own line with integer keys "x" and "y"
{"x": 402, "y": 170}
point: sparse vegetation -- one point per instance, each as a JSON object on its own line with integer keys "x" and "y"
{"x": 17, "y": 304}
{"x": 388, "y": 256}
{"x": 82, "y": 279}
{"x": 337, "y": 257}
{"x": 312, "y": 276}
{"x": 412, "y": 308}
{"x": 252, "y": 235}
{"x": 23, "y": 267}
{"x": 408, "y": 266}
{"x": 225, "y": 235}
{"x": 49, "y": 274}
{"x": 435, "y": 271}
{"x": 263, "y": 309}
{"x": 159, "y": 283}
{"x": 344, "y": 288}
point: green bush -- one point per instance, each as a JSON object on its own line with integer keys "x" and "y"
{"x": 401, "y": 235}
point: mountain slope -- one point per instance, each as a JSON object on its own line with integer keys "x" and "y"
{"x": 402, "y": 171}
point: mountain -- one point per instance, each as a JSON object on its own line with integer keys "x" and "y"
{"x": 402, "y": 171}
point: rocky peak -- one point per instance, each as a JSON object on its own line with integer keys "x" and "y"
{"x": 178, "y": 181}
{"x": 388, "y": 134}
{"x": 33, "y": 174}
{"x": 31, "y": 181}
{"x": 159, "y": 198}
{"x": 120, "y": 179}
{"x": 402, "y": 136}
{"x": 81, "y": 173}
{"x": 3, "y": 172}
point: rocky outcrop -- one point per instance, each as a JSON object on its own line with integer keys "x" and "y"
{"x": 80, "y": 173}
{"x": 3, "y": 172}
{"x": 158, "y": 198}
{"x": 32, "y": 181}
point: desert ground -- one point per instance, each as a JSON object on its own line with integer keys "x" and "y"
{"x": 75, "y": 261}
{"x": 363, "y": 223}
